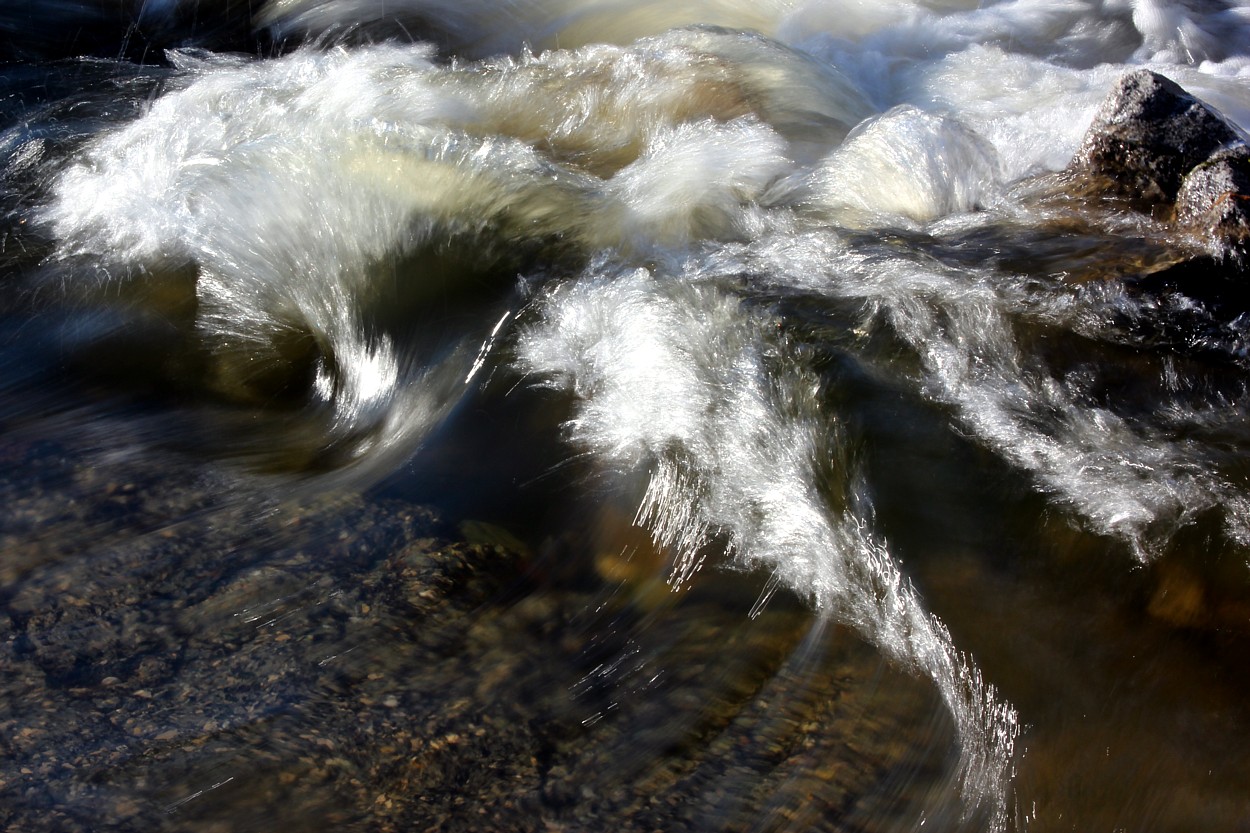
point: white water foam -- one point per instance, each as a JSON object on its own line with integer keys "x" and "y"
{"x": 906, "y": 167}
{"x": 679, "y": 385}
{"x": 714, "y": 158}
{"x": 1131, "y": 481}
{"x": 281, "y": 181}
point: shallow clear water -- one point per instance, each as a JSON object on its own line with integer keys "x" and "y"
{"x": 563, "y": 414}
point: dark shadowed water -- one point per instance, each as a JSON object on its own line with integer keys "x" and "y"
{"x": 570, "y": 416}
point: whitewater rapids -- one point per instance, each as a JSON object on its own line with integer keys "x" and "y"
{"x": 629, "y": 196}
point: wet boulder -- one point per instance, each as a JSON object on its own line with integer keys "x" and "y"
{"x": 1166, "y": 153}
{"x": 1213, "y": 202}
{"x": 1147, "y": 135}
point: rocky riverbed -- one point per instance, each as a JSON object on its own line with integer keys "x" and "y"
{"x": 182, "y": 653}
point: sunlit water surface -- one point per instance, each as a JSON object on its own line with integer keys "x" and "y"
{"x": 809, "y": 459}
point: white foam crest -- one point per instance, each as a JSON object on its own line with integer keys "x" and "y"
{"x": 882, "y": 45}
{"x": 282, "y": 181}
{"x": 692, "y": 183}
{"x": 361, "y": 382}
{"x": 598, "y": 106}
{"x": 677, "y": 383}
{"x": 1028, "y": 74}
{"x": 1177, "y": 34}
{"x": 899, "y": 36}
{"x": 886, "y": 59}
{"x": 191, "y": 143}
{"x": 482, "y": 28}
{"x": 909, "y": 166}
{"x": 1034, "y": 112}
{"x": 1130, "y": 481}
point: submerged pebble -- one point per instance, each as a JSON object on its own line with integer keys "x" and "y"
{"x": 343, "y": 664}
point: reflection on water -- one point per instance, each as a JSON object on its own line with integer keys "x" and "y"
{"x": 460, "y": 417}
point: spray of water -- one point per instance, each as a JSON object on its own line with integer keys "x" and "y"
{"x": 678, "y": 174}
{"x": 679, "y": 385}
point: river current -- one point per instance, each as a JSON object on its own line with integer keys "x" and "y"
{"x": 779, "y": 298}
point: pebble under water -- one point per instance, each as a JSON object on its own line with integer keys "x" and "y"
{"x": 570, "y": 415}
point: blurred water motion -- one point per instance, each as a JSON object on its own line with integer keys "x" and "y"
{"x": 611, "y": 416}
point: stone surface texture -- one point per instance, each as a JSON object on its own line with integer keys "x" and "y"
{"x": 1148, "y": 134}
{"x": 1168, "y": 154}
{"x": 1214, "y": 202}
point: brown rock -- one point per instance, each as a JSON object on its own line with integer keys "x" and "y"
{"x": 1214, "y": 202}
{"x": 1147, "y": 135}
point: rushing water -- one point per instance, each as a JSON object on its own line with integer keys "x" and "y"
{"x": 787, "y": 289}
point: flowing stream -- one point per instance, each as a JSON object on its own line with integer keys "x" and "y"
{"x": 773, "y": 309}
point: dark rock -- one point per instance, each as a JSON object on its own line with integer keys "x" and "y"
{"x": 1214, "y": 202}
{"x": 1148, "y": 134}
{"x": 1201, "y": 328}
{"x": 1168, "y": 154}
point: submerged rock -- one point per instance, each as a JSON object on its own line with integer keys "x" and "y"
{"x": 183, "y": 655}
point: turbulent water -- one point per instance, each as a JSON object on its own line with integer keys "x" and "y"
{"x": 751, "y": 257}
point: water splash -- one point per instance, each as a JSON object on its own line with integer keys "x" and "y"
{"x": 677, "y": 383}
{"x": 695, "y": 171}
{"x": 1131, "y": 479}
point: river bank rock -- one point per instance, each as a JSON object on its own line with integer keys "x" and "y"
{"x": 1166, "y": 153}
